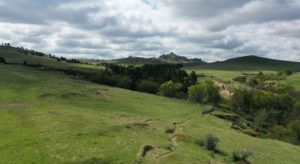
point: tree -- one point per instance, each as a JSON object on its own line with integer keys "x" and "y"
{"x": 193, "y": 77}
{"x": 204, "y": 92}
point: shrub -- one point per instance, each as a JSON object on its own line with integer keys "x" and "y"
{"x": 267, "y": 118}
{"x": 2, "y": 60}
{"x": 282, "y": 88}
{"x": 200, "y": 142}
{"x": 171, "y": 89}
{"x": 205, "y": 92}
{"x": 269, "y": 100}
{"x": 123, "y": 82}
{"x": 209, "y": 142}
{"x": 112, "y": 80}
{"x": 242, "y": 100}
{"x": 242, "y": 155}
{"x": 148, "y": 86}
{"x": 295, "y": 127}
{"x": 295, "y": 114}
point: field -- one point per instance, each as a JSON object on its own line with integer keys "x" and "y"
{"x": 293, "y": 80}
{"x": 46, "y": 116}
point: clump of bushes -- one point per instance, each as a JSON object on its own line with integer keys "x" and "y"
{"x": 242, "y": 155}
{"x": 241, "y": 101}
{"x": 204, "y": 92}
{"x": 171, "y": 89}
{"x": 148, "y": 86}
{"x": 209, "y": 142}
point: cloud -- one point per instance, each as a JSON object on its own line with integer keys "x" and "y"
{"x": 209, "y": 29}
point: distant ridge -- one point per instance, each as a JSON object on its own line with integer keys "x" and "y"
{"x": 252, "y": 63}
{"x": 165, "y": 58}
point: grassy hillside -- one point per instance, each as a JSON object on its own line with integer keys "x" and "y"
{"x": 251, "y": 63}
{"x": 48, "y": 117}
{"x": 11, "y": 55}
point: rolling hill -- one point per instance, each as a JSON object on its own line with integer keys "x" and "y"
{"x": 47, "y": 116}
{"x": 251, "y": 63}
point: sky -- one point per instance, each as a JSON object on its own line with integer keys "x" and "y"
{"x": 212, "y": 30}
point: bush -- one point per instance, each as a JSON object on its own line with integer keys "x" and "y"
{"x": 200, "y": 142}
{"x": 295, "y": 127}
{"x": 267, "y": 117}
{"x": 269, "y": 100}
{"x": 242, "y": 155}
{"x": 205, "y": 92}
{"x": 242, "y": 100}
{"x": 295, "y": 114}
{"x": 209, "y": 142}
{"x": 148, "y": 86}
{"x": 2, "y": 60}
{"x": 171, "y": 89}
{"x": 112, "y": 80}
{"x": 123, "y": 82}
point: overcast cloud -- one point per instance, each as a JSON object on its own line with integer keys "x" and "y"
{"x": 104, "y": 29}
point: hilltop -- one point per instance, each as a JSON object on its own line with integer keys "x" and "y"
{"x": 164, "y": 58}
{"x": 252, "y": 63}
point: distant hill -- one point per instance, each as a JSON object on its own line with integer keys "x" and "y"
{"x": 252, "y": 63}
{"x": 131, "y": 60}
{"x": 165, "y": 58}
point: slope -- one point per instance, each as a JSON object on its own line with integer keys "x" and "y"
{"x": 47, "y": 117}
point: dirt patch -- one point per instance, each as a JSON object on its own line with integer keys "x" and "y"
{"x": 92, "y": 160}
{"x": 237, "y": 123}
{"x": 181, "y": 137}
{"x": 14, "y": 105}
{"x": 152, "y": 120}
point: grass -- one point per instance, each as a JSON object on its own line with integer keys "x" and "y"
{"x": 293, "y": 80}
{"x": 12, "y": 56}
{"x": 46, "y": 117}
{"x": 225, "y": 75}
